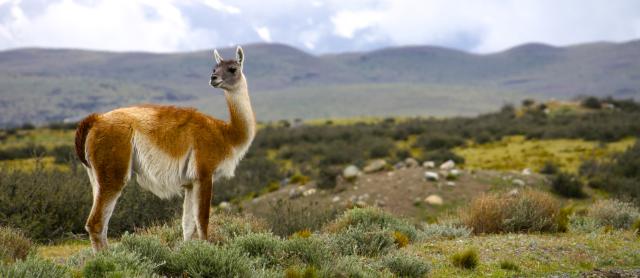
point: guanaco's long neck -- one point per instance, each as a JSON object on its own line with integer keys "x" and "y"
{"x": 242, "y": 126}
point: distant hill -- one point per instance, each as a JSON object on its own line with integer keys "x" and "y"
{"x": 43, "y": 85}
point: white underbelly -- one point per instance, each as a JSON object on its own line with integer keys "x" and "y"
{"x": 158, "y": 172}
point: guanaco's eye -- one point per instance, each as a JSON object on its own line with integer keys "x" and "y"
{"x": 232, "y": 70}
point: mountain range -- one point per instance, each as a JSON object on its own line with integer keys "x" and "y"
{"x": 46, "y": 85}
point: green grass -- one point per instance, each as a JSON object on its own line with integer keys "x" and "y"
{"x": 534, "y": 254}
{"x": 517, "y": 153}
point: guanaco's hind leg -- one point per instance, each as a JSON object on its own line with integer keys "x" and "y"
{"x": 109, "y": 155}
{"x": 188, "y": 216}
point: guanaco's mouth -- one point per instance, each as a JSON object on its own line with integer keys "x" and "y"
{"x": 215, "y": 85}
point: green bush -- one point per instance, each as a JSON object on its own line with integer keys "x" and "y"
{"x": 285, "y": 218}
{"x": 509, "y": 265}
{"x": 362, "y": 241}
{"x": 200, "y": 259}
{"x": 224, "y": 227}
{"x": 404, "y": 265}
{"x": 117, "y": 262}
{"x": 33, "y": 266}
{"x": 307, "y": 251}
{"x": 448, "y": 231}
{"x": 620, "y": 176}
{"x": 567, "y": 185}
{"x": 372, "y": 218}
{"x": 13, "y": 245}
{"x": 466, "y": 259}
{"x": 549, "y": 168}
{"x": 51, "y": 204}
{"x": 349, "y": 266}
{"x": 264, "y": 246}
{"x": 150, "y": 248}
{"x": 614, "y": 213}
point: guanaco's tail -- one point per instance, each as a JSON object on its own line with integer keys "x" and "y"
{"x": 81, "y": 136}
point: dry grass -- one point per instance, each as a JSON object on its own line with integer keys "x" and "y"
{"x": 13, "y": 245}
{"x": 527, "y": 211}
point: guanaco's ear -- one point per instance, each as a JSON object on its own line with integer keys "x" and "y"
{"x": 216, "y": 56}
{"x": 239, "y": 55}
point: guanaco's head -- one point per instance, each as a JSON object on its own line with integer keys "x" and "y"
{"x": 227, "y": 74}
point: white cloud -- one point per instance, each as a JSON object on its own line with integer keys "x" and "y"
{"x": 264, "y": 33}
{"x": 318, "y": 25}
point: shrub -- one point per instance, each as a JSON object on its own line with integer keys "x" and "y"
{"x": 466, "y": 259}
{"x": 150, "y": 248}
{"x": 13, "y": 245}
{"x": 285, "y": 218}
{"x": 528, "y": 211}
{"x": 438, "y": 141}
{"x": 509, "y": 265}
{"x": 264, "y": 246}
{"x": 223, "y": 227}
{"x": 33, "y": 266}
{"x": 327, "y": 176}
{"x": 169, "y": 234}
{"x": 309, "y": 251}
{"x": 400, "y": 239}
{"x": 299, "y": 179}
{"x": 404, "y": 265}
{"x": 549, "y": 168}
{"x": 614, "y": 213}
{"x": 567, "y": 185}
{"x": 362, "y": 241}
{"x": 448, "y": 231}
{"x": 591, "y": 103}
{"x": 50, "y": 204}
{"x": 636, "y": 226}
{"x": 200, "y": 259}
{"x": 372, "y": 218}
{"x": 349, "y": 266}
{"x": 117, "y": 262}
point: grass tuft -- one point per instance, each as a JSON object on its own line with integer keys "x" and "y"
{"x": 467, "y": 259}
{"x": 509, "y": 265}
{"x": 614, "y": 213}
{"x": 13, "y": 245}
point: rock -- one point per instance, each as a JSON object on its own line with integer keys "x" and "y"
{"x": 513, "y": 192}
{"x": 335, "y": 199}
{"x": 448, "y": 165}
{"x": 380, "y": 203}
{"x": 226, "y": 206}
{"x": 375, "y": 166}
{"x": 429, "y": 164}
{"x": 431, "y": 176}
{"x": 309, "y": 192}
{"x": 526, "y": 171}
{"x": 450, "y": 183}
{"x": 361, "y": 204}
{"x": 434, "y": 200}
{"x": 363, "y": 197}
{"x": 455, "y": 172}
{"x": 296, "y": 192}
{"x": 411, "y": 162}
{"x": 399, "y": 165}
{"x": 518, "y": 182}
{"x": 351, "y": 172}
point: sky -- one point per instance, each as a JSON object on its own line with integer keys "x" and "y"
{"x": 315, "y": 26}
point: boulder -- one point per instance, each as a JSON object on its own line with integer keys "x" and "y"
{"x": 455, "y": 172}
{"x": 351, "y": 172}
{"x": 375, "y": 166}
{"x": 399, "y": 165}
{"x": 526, "y": 171}
{"x": 450, "y": 183}
{"x": 518, "y": 182}
{"x": 309, "y": 192}
{"x": 296, "y": 192}
{"x": 431, "y": 176}
{"x": 335, "y": 199}
{"x": 434, "y": 200}
{"x": 410, "y": 162}
{"x": 226, "y": 206}
{"x": 448, "y": 165}
{"x": 429, "y": 164}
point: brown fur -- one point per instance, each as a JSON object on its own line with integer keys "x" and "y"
{"x": 81, "y": 135}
